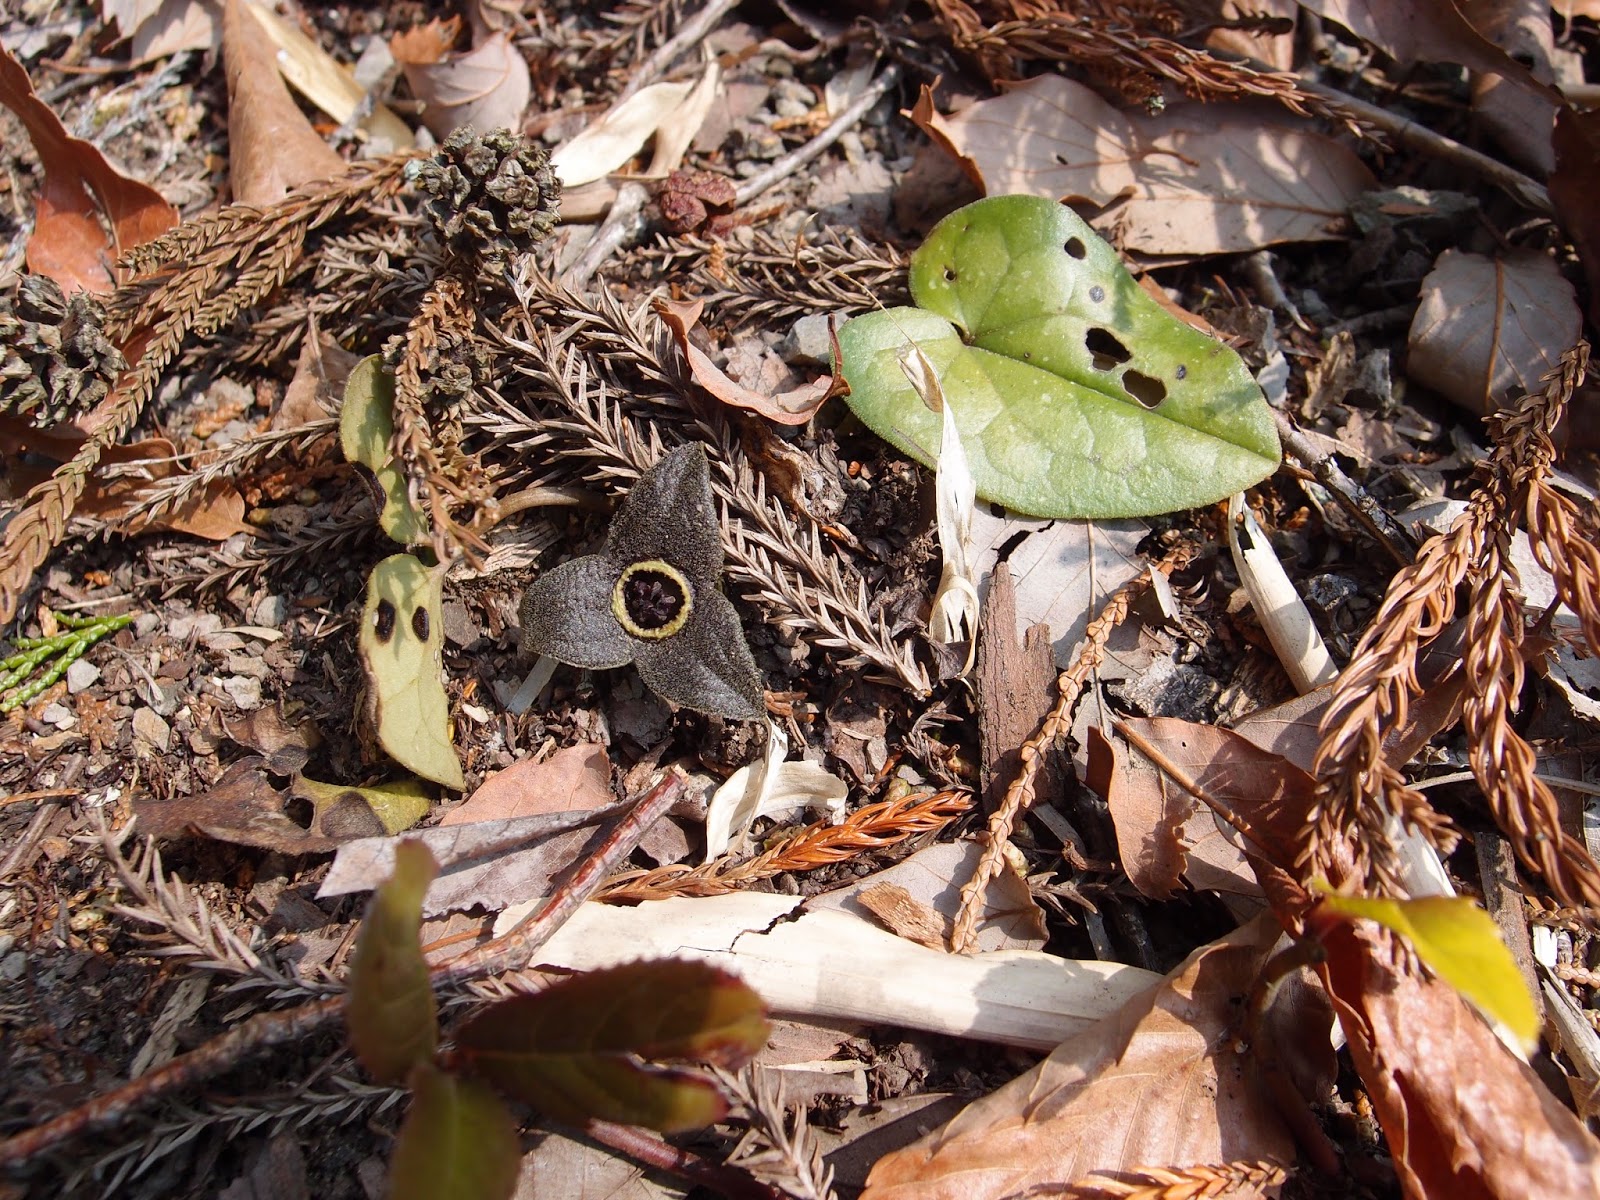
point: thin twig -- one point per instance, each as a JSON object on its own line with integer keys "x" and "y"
{"x": 837, "y": 128}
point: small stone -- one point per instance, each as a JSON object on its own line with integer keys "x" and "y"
{"x": 808, "y": 341}
{"x": 81, "y": 676}
{"x": 181, "y": 628}
{"x": 251, "y": 665}
{"x": 150, "y": 731}
{"x": 243, "y": 691}
{"x": 13, "y": 965}
{"x": 270, "y": 612}
{"x": 146, "y": 623}
{"x": 59, "y": 715}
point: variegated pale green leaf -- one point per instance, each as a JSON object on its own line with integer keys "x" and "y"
{"x": 1076, "y": 394}
{"x": 366, "y": 423}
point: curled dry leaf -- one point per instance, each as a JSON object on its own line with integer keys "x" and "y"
{"x": 672, "y": 113}
{"x": 488, "y": 87}
{"x": 1158, "y": 1082}
{"x": 786, "y": 408}
{"x": 87, "y": 214}
{"x": 272, "y": 147}
{"x": 1198, "y": 179}
{"x": 1487, "y": 326}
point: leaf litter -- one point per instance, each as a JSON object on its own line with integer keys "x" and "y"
{"x": 524, "y": 409}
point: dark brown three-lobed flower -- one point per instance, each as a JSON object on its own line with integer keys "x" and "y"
{"x": 651, "y": 597}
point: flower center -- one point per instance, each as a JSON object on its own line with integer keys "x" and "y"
{"x": 652, "y": 599}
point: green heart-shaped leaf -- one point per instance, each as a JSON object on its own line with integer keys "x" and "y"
{"x": 1076, "y": 394}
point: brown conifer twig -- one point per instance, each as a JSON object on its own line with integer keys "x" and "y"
{"x": 1019, "y": 796}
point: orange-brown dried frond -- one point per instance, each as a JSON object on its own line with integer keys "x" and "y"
{"x": 873, "y": 827}
{"x": 1178, "y": 1183}
{"x": 1564, "y": 544}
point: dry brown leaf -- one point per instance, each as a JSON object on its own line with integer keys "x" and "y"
{"x": 245, "y": 807}
{"x": 488, "y": 87}
{"x": 903, "y": 915}
{"x": 1198, "y": 179}
{"x": 1486, "y": 326}
{"x": 317, "y": 389}
{"x": 1427, "y": 31}
{"x": 1158, "y": 1082}
{"x": 272, "y": 147}
{"x": 158, "y": 28}
{"x": 87, "y": 214}
{"x": 1163, "y": 833}
{"x": 489, "y": 863}
{"x": 787, "y": 408}
{"x": 1464, "y": 1117}
{"x": 1574, "y": 184}
{"x": 574, "y": 779}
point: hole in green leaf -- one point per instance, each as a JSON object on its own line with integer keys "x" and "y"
{"x": 1076, "y": 248}
{"x": 383, "y": 621}
{"x": 1147, "y": 391}
{"x": 419, "y": 623}
{"x": 950, "y": 275}
{"x": 1107, "y": 349}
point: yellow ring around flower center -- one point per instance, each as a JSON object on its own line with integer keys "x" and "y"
{"x": 673, "y": 576}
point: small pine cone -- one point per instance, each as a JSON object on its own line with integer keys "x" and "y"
{"x": 56, "y": 362}
{"x": 491, "y": 197}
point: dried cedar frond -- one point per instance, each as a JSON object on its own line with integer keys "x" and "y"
{"x": 1359, "y": 793}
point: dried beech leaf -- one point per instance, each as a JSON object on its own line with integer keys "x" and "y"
{"x": 390, "y": 1007}
{"x": 458, "y": 1140}
{"x": 1199, "y": 179}
{"x": 1158, "y": 1082}
{"x": 246, "y": 808}
{"x": 1464, "y": 1117}
{"x": 573, "y": 779}
{"x": 1487, "y": 326}
{"x": 402, "y": 652}
{"x": 1574, "y": 184}
{"x": 1427, "y": 31}
{"x": 616, "y": 137}
{"x": 271, "y": 146}
{"x": 158, "y": 28}
{"x": 574, "y": 1050}
{"x": 1075, "y": 394}
{"x": 87, "y": 214}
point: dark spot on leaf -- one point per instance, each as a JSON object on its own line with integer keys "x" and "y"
{"x": 1107, "y": 349}
{"x": 383, "y": 622}
{"x": 950, "y": 275}
{"x": 419, "y": 623}
{"x": 1147, "y": 391}
{"x": 1061, "y": 160}
{"x": 1076, "y": 248}
{"x": 1097, "y": 293}
{"x": 1027, "y": 354}
{"x": 1182, "y": 371}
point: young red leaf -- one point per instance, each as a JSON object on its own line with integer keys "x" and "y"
{"x": 390, "y": 1008}
{"x": 573, "y": 1050}
{"x": 458, "y": 1140}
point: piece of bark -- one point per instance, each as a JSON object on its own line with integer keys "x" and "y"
{"x": 1016, "y": 685}
{"x": 1502, "y": 896}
